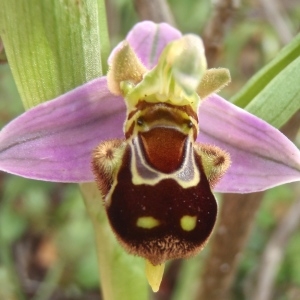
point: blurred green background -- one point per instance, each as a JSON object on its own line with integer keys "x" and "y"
{"x": 47, "y": 249}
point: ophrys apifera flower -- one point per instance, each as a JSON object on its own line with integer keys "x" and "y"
{"x": 155, "y": 177}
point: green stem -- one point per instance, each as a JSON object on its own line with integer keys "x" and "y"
{"x": 122, "y": 275}
{"x": 14, "y": 290}
{"x": 8, "y": 262}
{"x": 47, "y": 287}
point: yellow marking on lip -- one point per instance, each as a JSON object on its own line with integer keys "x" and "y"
{"x": 188, "y": 223}
{"x": 147, "y": 222}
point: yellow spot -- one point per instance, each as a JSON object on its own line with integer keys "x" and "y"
{"x": 154, "y": 275}
{"x": 147, "y": 222}
{"x": 188, "y": 223}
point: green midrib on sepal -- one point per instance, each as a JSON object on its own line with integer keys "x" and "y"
{"x": 53, "y": 46}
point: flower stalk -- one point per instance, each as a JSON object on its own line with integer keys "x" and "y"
{"x": 122, "y": 276}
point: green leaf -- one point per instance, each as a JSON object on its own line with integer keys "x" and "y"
{"x": 259, "y": 81}
{"x": 53, "y": 46}
{"x": 280, "y": 99}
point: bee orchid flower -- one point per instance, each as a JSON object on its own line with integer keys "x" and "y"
{"x": 157, "y": 139}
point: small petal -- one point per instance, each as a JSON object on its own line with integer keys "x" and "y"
{"x": 213, "y": 81}
{"x": 262, "y": 157}
{"x": 54, "y": 140}
{"x": 148, "y": 40}
{"x": 124, "y": 66}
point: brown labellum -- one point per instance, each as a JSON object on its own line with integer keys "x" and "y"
{"x": 156, "y": 185}
{"x": 166, "y": 205}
